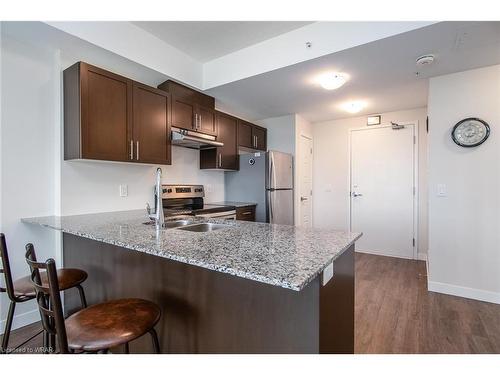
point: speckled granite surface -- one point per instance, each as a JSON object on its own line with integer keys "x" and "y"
{"x": 280, "y": 255}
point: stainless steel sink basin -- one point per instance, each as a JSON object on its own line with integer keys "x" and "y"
{"x": 172, "y": 224}
{"x": 203, "y": 227}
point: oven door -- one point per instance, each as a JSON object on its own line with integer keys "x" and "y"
{"x": 226, "y": 215}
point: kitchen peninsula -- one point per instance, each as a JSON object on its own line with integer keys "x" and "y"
{"x": 243, "y": 288}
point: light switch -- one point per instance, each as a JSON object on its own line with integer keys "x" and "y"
{"x": 123, "y": 190}
{"x": 441, "y": 190}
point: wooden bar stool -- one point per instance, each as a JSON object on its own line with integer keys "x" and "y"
{"x": 21, "y": 290}
{"x": 94, "y": 329}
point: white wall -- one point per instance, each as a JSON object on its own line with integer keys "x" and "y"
{"x": 89, "y": 186}
{"x": 331, "y": 170}
{"x": 464, "y": 226}
{"x": 280, "y": 133}
{"x": 29, "y": 148}
{"x": 35, "y": 181}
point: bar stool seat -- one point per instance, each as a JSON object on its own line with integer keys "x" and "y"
{"x": 110, "y": 324}
{"x": 68, "y": 278}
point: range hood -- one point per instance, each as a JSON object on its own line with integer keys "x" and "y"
{"x": 192, "y": 139}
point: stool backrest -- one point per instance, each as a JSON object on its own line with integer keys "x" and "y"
{"x": 48, "y": 297}
{"x": 5, "y": 269}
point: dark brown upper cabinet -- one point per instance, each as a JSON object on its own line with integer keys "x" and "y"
{"x": 225, "y": 157}
{"x": 252, "y": 136}
{"x": 97, "y": 121}
{"x": 191, "y": 109}
{"x": 151, "y": 129}
{"x": 110, "y": 117}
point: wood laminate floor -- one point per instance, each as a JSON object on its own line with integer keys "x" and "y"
{"x": 396, "y": 314}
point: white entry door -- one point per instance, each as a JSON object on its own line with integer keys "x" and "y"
{"x": 382, "y": 190}
{"x": 305, "y": 181}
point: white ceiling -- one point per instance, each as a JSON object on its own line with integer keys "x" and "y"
{"x": 382, "y": 74}
{"x": 205, "y": 41}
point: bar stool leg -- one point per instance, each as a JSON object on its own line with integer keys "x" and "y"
{"x": 156, "y": 344}
{"x": 127, "y": 348}
{"x": 8, "y": 326}
{"x": 82, "y": 296}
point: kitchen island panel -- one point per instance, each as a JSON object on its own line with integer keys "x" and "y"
{"x": 213, "y": 312}
{"x": 202, "y": 311}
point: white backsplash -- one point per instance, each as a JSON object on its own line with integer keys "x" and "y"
{"x": 92, "y": 186}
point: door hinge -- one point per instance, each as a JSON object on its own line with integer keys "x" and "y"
{"x": 414, "y": 139}
{"x": 414, "y": 190}
{"x": 311, "y": 193}
{"x": 413, "y": 242}
{"x": 311, "y": 151}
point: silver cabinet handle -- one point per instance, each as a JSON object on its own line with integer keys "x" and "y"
{"x": 131, "y": 149}
{"x": 220, "y": 160}
{"x": 137, "y": 150}
{"x": 199, "y": 122}
{"x": 196, "y": 121}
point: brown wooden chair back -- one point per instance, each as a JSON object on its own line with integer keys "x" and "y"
{"x": 48, "y": 297}
{"x": 5, "y": 269}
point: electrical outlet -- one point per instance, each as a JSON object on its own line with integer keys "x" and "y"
{"x": 123, "y": 190}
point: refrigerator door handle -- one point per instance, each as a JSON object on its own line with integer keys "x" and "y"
{"x": 270, "y": 208}
{"x": 271, "y": 172}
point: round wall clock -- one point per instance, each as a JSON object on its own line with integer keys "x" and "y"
{"x": 470, "y": 132}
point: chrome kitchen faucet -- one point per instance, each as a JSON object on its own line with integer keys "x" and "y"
{"x": 158, "y": 217}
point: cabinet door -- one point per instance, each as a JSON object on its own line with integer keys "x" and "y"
{"x": 245, "y": 134}
{"x": 245, "y": 213}
{"x": 259, "y": 135}
{"x": 151, "y": 128}
{"x": 183, "y": 113}
{"x": 228, "y": 154}
{"x": 105, "y": 118}
{"x": 206, "y": 120}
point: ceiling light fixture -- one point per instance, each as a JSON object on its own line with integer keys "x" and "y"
{"x": 353, "y": 107}
{"x": 332, "y": 80}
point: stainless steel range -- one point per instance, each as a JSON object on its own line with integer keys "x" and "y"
{"x": 181, "y": 200}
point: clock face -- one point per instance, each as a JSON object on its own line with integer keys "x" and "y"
{"x": 470, "y": 132}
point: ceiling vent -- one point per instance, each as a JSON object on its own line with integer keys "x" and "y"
{"x": 425, "y": 60}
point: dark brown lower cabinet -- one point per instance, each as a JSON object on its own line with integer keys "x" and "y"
{"x": 225, "y": 157}
{"x": 245, "y": 213}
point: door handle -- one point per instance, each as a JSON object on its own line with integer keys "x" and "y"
{"x": 354, "y": 194}
{"x": 303, "y": 199}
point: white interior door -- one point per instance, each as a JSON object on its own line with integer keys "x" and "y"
{"x": 382, "y": 190}
{"x": 305, "y": 182}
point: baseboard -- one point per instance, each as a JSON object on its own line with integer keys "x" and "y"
{"x": 21, "y": 320}
{"x": 420, "y": 256}
{"x": 461, "y": 291}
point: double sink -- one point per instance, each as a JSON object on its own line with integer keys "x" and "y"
{"x": 190, "y": 226}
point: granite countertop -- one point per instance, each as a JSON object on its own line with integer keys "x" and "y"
{"x": 281, "y": 255}
{"x": 235, "y": 204}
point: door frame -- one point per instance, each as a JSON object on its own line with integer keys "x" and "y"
{"x": 415, "y": 175}
{"x": 298, "y": 179}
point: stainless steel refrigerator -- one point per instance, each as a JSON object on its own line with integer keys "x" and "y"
{"x": 265, "y": 178}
